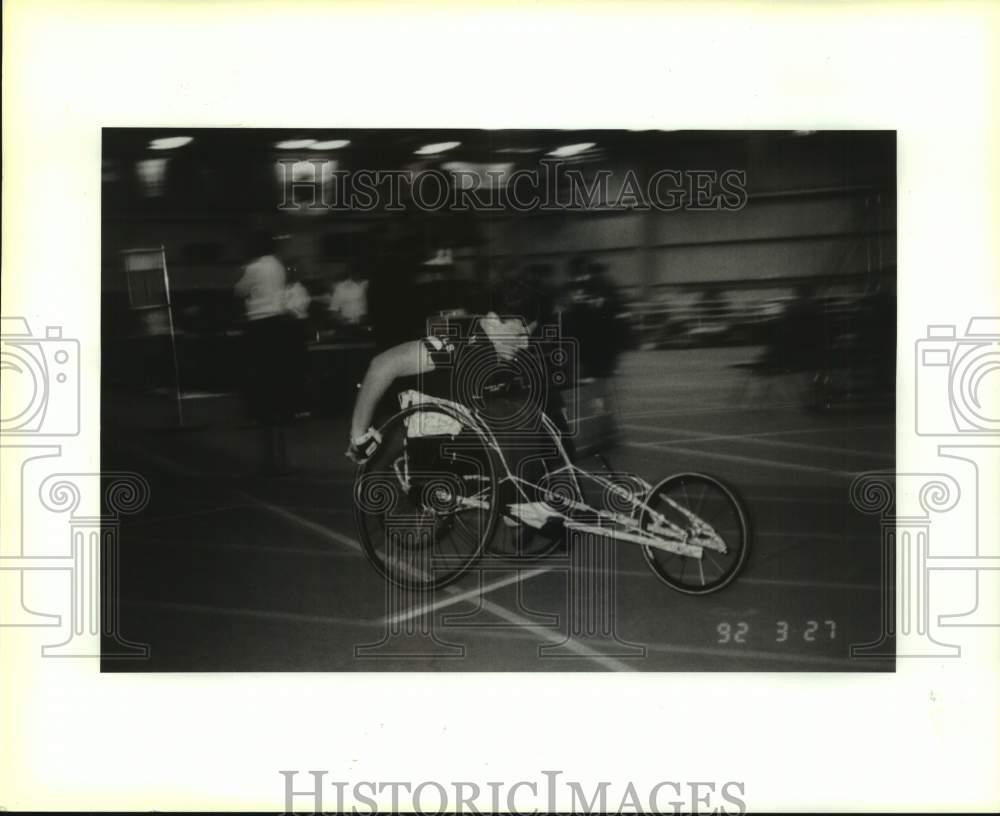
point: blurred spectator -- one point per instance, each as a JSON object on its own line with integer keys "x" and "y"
{"x": 262, "y": 288}
{"x": 262, "y": 285}
{"x": 297, "y": 302}
{"x": 349, "y": 298}
{"x": 711, "y": 323}
{"x": 592, "y": 315}
{"x": 798, "y": 341}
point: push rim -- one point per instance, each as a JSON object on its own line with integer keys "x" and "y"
{"x": 424, "y": 506}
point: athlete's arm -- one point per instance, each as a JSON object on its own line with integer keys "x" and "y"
{"x": 404, "y": 360}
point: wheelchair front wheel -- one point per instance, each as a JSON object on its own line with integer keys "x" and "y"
{"x": 689, "y": 502}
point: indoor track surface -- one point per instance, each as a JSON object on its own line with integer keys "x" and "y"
{"x": 227, "y": 570}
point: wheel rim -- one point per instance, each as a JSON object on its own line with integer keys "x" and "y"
{"x": 713, "y": 504}
{"x": 424, "y": 507}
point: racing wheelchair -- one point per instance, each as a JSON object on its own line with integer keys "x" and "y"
{"x": 430, "y": 498}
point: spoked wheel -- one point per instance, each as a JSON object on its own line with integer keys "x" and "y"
{"x": 706, "y": 502}
{"x": 425, "y": 502}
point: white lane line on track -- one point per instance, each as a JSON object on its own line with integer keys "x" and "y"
{"x": 143, "y": 520}
{"x": 710, "y": 408}
{"x": 520, "y": 634}
{"x": 807, "y": 538}
{"x": 758, "y": 439}
{"x": 707, "y": 651}
{"x": 430, "y": 608}
{"x": 499, "y": 611}
{"x": 316, "y": 478}
{"x": 312, "y": 526}
{"x": 759, "y": 499}
{"x": 278, "y": 550}
{"x": 811, "y": 584}
{"x": 748, "y": 460}
{"x": 495, "y": 609}
{"x": 555, "y": 638}
{"x": 756, "y": 654}
{"x": 784, "y": 582}
{"x": 208, "y": 609}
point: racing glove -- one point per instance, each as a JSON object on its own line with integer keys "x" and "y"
{"x": 363, "y": 447}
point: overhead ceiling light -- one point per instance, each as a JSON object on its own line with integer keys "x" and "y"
{"x": 437, "y": 147}
{"x": 294, "y": 144}
{"x": 480, "y": 175}
{"x": 170, "y": 142}
{"x": 330, "y": 144}
{"x": 478, "y": 167}
{"x": 520, "y": 150}
{"x": 571, "y": 150}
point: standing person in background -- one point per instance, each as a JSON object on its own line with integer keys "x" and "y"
{"x": 799, "y": 344}
{"x": 262, "y": 288}
{"x": 592, "y": 315}
{"x": 349, "y": 298}
{"x": 297, "y": 301}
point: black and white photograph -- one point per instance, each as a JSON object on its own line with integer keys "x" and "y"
{"x": 499, "y": 400}
{"x": 500, "y": 407}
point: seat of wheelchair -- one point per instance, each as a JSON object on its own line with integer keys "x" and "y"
{"x": 430, "y": 422}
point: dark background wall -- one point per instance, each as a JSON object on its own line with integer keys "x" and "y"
{"x": 819, "y": 204}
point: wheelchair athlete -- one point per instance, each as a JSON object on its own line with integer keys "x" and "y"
{"x": 486, "y": 362}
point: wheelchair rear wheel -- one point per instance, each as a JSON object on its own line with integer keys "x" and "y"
{"x": 425, "y": 503}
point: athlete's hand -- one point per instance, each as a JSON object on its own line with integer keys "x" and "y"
{"x": 363, "y": 447}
